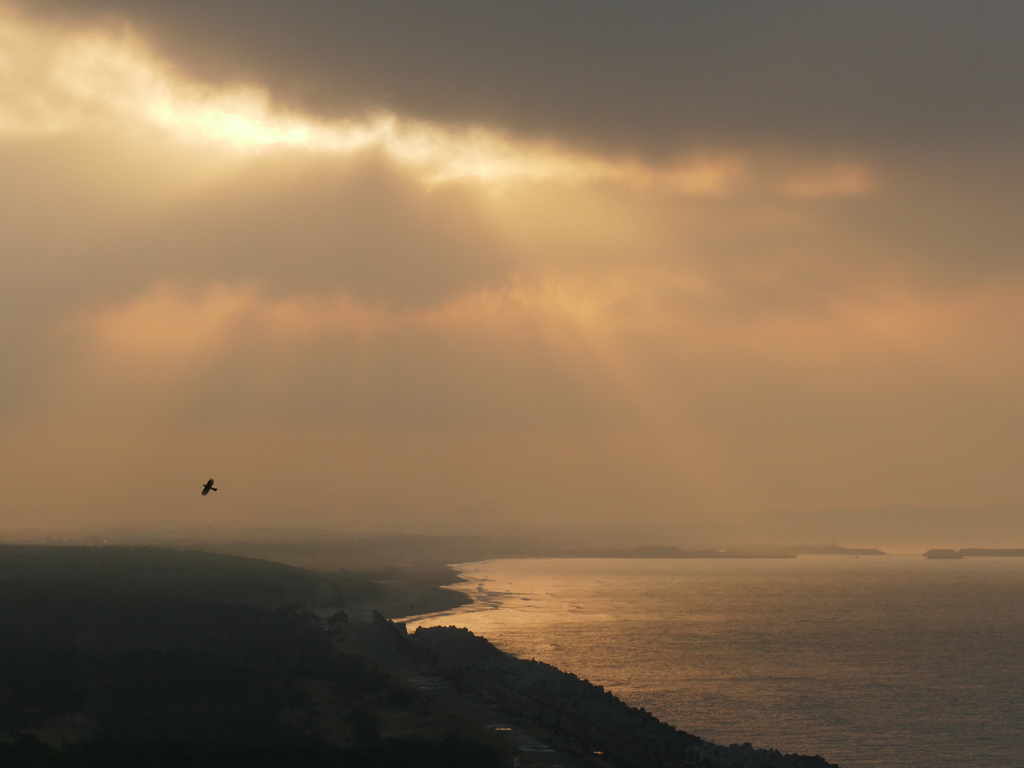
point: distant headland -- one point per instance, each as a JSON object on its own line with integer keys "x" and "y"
{"x": 960, "y": 554}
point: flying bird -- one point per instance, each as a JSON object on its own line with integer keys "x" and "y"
{"x": 208, "y": 487}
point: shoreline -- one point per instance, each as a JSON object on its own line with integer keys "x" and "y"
{"x": 456, "y": 653}
{"x": 591, "y": 722}
{"x": 406, "y": 592}
{"x": 428, "y": 587}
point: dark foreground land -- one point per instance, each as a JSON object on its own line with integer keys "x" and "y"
{"x": 132, "y": 656}
{"x": 129, "y": 657}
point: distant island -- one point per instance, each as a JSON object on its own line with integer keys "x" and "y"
{"x": 833, "y": 549}
{"x": 960, "y": 554}
{"x": 943, "y": 554}
{"x": 781, "y": 552}
{"x": 670, "y": 552}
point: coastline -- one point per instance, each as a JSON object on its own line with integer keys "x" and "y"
{"x": 547, "y": 697}
{"x": 582, "y": 718}
{"x": 409, "y": 592}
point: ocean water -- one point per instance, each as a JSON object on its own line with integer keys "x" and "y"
{"x": 872, "y": 661}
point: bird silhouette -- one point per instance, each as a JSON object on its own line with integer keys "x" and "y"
{"x": 208, "y": 487}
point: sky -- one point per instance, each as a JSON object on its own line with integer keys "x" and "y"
{"x": 397, "y": 266}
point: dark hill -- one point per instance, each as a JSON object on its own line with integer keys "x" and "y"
{"x": 132, "y": 657}
{"x": 118, "y": 572}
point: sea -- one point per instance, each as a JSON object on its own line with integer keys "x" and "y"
{"x": 871, "y": 662}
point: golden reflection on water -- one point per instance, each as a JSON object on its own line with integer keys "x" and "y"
{"x": 870, "y": 662}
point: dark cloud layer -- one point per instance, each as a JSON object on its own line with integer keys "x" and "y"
{"x": 644, "y": 77}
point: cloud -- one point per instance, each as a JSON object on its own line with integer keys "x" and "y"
{"x": 487, "y": 291}
{"x": 649, "y": 78}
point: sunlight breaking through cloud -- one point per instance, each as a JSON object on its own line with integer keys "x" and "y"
{"x": 55, "y": 81}
{"x": 176, "y": 251}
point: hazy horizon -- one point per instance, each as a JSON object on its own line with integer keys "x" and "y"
{"x": 487, "y": 268}
{"x": 895, "y": 530}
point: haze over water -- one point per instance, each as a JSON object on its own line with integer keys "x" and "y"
{"x": 869, "y": 662}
